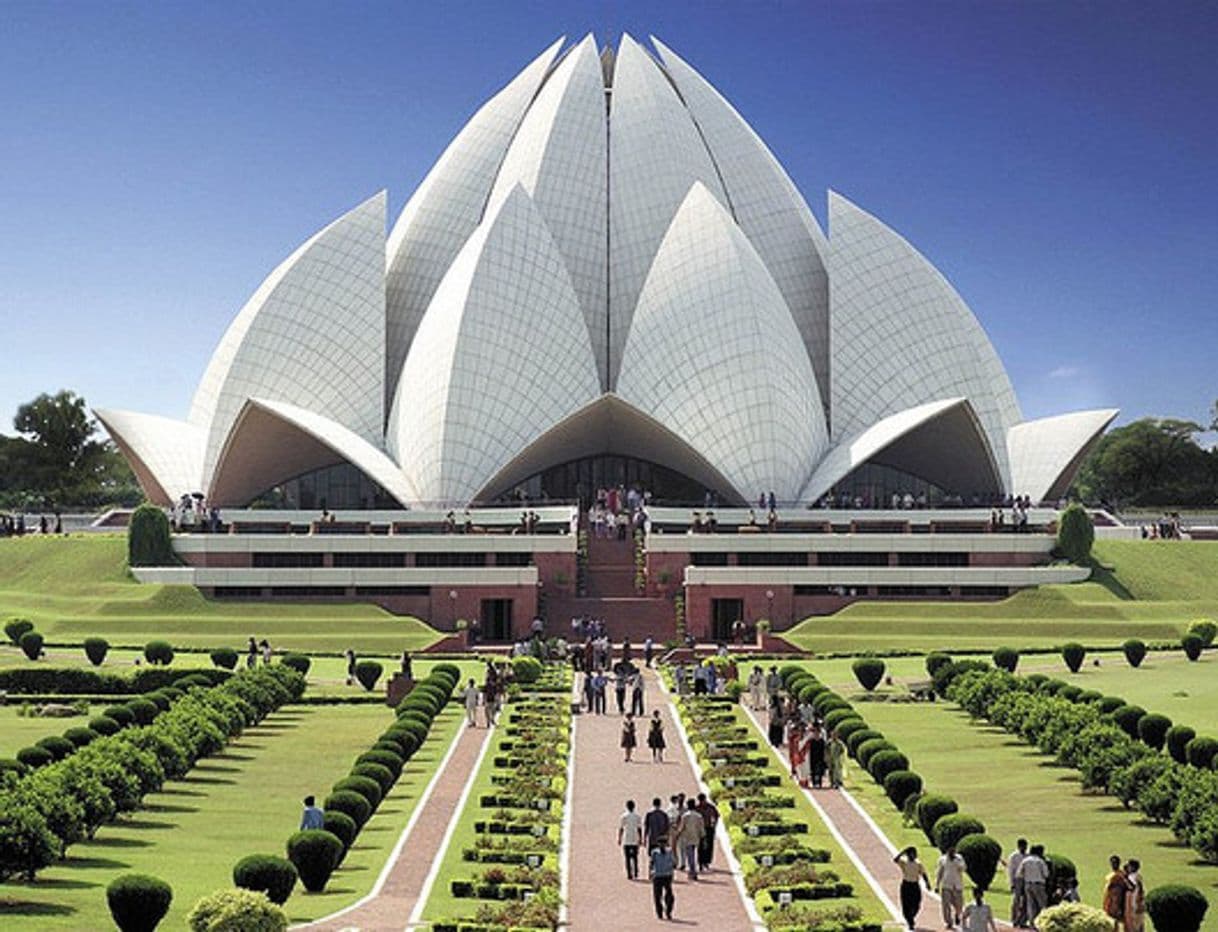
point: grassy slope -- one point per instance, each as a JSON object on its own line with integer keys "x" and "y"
{"x": 76, "y": 586}
{"x": 1149, "y": 590}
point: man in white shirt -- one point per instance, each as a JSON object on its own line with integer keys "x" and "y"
{"x": 1019, "y": 909}
{"x": 629, "y": 836}
{"x": 978, "y": 917}
{"x": 1035, "y": 874}
{"x": 949, "y": 884}
{"x": 470, "y": 696}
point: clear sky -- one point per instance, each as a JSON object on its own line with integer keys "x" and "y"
{"x": 1055, "y": 160}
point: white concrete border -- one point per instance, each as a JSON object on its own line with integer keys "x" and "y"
{"x": 721, "y": 832}
{"x": 564, "y": 848}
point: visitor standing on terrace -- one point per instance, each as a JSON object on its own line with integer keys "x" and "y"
{"x": 690, "y": 832}
{"x": 978, "y": 917}
{"x": 251, "y": 655}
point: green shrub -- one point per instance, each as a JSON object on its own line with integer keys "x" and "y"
{"x": 364, "y": 786}
{"x": 15, "y": 627}
{"x": 869, "y": 671}
{"x": 138, "y": 902}
{"x": 809, "y": 690}
{"x": 935, "y": 660}
{"x": 981, "y": 855}
{"x": 1127, "y": 718}
{"x": 930, "y": 809}
{"x": 1205, "y": 629}
{"x": 950, "y": 829}
{"x": 298, "y": 662}
{"x": 1201, "y": 752}
{"x": 315, "y": 853}
{"x": 837, "y": 716}
{"x": 944, "y": 676}
{"x": 526, "y": 669}
{"x": 1176, "y": 907}
{"x": 378, "y": 772}
{"x": 849, "y": 727}
{"x": 342, "y": 827}
{"x": 860, "y": 737}
{"x": 1203, "y": 835}
{"x": 827, "y": 702}
{"x": 885, "y": 762}
{"x": 899, "y": 785}
{"x": 870, "y": 748}
{"x": 1075, "y": 534}
{"x": 31, "y": 644}
{"x": 1073, "y": 917}
{"x": 80, "y": 736}
{"x": 1069, "y": 692}
{"x": 352, "y": 803}
{"x": 104, "y": 725}
{"x": 1109, "y": 704}
{"x": 148, "y": 540}
{"x": 191, "y": 680}
{"x": 57, "y": 747}
{"x": 96, "y": 650}
{"x": 35, "y": 757}
{"x": 1178, "y": 737}
{"x": 1089, "y": 696}
{"x": 236, "y": 911}
{"x": 12, "y": 765}
{"x": 1061, "y": 869}
{"x": 368, "y": 672}
{"x": 268, "y": 874}
{"x": 144, "y": 710}
{"x": 1073, "y": 653}
{"x": 26, "y": 844}
{"x": 224, "y": 657}
{"x": 1152, "y": 730}
{"x": 158, "y": 653}
{"x": 121, "y": 714}
{"x": 394, "y": 762}
{"x": 1193, "y": 646}
{"x": 1135, "y": 652}
{"x": 1006, "y": 658}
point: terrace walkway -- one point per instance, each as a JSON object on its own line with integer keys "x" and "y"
{"x": 599, "y": 895}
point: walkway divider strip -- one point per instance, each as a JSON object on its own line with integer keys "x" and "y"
{"x": 721, "y": 833}
{"x": 425, "y": 891}
{"x": 564, "y": 850}
{"x": 402, "y": 838}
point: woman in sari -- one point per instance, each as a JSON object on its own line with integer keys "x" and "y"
{"x": 794, "y": 736}
{"x": 836, "y": 752}
{"x": 1135, "y": 898}
{"x": 1115, "y": 888}
{"x": 803, "y": 767}
{"x": 816, "y": 753}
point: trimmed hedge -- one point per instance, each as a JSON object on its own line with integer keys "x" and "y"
{"x": 950, "y": 829}
{"x": 899, "y": 785}
{"x": 31, "y": 644}
{"x": 159, "y": 653}
{"x": 368, "y": 672}
{"x": 1006, "y": 658}
{"x": 298, "y": 662}
{"x": 96, "y": 650}
{"x": 1153, "y": 729}
{"x": 268, "y": 874}
{"x": 1193, "y": 645}
{"x": 47, "y": 680}
{"x": 315, "y": 853}
{"x": 1074, "y": 654}
{"x": 1176, "y": 907}
{"x": 341, "y": 826}
{"x": 869, "y": 671}
{"x": 981, "y": 855}
{"x": 1135, "y": 652}
{"x": 15, "y": 627}
{"x": 138, "y": 902}
{"x": 224, "y": 657}
{"x": 930, "y": 809}
{"x": 1201, "y": 752}
{"x": 1178, "y": 737}
{"x": 236, "y": 910}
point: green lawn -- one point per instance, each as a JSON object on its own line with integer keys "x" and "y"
{"x": 77, "y": 586}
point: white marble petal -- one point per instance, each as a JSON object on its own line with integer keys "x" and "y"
{"x": 166, "y": 455}
{"x": 1046, "y": 453}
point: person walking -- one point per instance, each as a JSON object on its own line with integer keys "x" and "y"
{"x": 1019, "y": 906}
{"x": 649, "y": 647}
{"x": 629, "y": 836}
{"x": 349, "y": 653}
{"x": 676, "y": 806}
{"x": 619, "y": 688}
{"x": 655, "y": 738}
{"x": 1115, "y": 887}
{"x": 662, "y": 866}
{"x": 655, "y": 824}
{"x": 630, "y": 738}
{"x": 775, "y": 732}
{"x": 816, "y": 754}
{"x": 251, "y": 658}
{"x": 264, "y": 646}
{"x": 710, "y": 819}
{"x": 756, "y": 683}
{"x": 912, "y": 872}
{"x": 690, "y": 832}
{"x": 470, "y": 696}
{"x": 635, "y": 682}
{"x": 949, "y": 884}
{"x": 1135, "y": 897}
{"x": 836, "y": 753}
{"x": 978, "y": 917}
{"x": 312, "y": 817}
{"x": 1035, "y": 873}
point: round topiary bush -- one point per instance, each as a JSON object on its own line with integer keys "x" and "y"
{"x": 899, "y": 785}
{"x": 930, "y": 809}
{"x": 935, "y": 660}
{"x": 364, "y": 786}
{"x": 1075, "y": 534}
{"x": 35, "y": 757}
{"x": 1089, "y": 696}
{"x": 15, "y": 627}
{"x": 148, "y": 541}
{"x": 104, "y": 725}
{"x": 393, "y": 762}
{"x": 56, "y": 746}
{"x": 885, "y": 762}
{"x": 80, "y": 736}
{"x": 1153, "y": 729}
{"x": 837, "y": 716}
{"x": 1069, "y": 692}
{"x": 950, "y": 829}
{"x": 526, "y": 669}
{"x": 352, "y": 803}
{"x": 1205, "y": 629}
{"x": 381, "y": 774}
{"x": 138, "y": 902}
{"x": 1135, "y": 652}
{"x": 981, "y": 855}
{"x": 1006, "y": 658}
{"x": 143, "y": 710}
{"x": 268, "y": 874}
{"x": 1176, "y": 907}
{"x": 1200, "y": 752}
{"x": 191, "y": 680}
{"x": 158, "y": 653}
{"x": 298, "y": 662}
{"x": 1127, "y": 718}
{"x": 1193, "y": 646}
{"x": 158, "y": 698}
{"x": 12, "y": 765}
{"x": 368, "y": 672}
{"x": 849, "y": 727}
{"x": 1109, "y": 704}
{"x": 96, "y": 650}
{"x": 1073, "y": 917}
{"x": 315, "y": 853}
{"x": 828, "y": 702}
{"x": 341, "y": 826}
{"x": 31, "y": 644}
{"x": 869, "y": 749}
{"x": 1073, "y": 653}
{"x": 808, "y": 691}
{"x": 224, "y": 657}
{"x": 121, "y": 714}
{"x": 860, "y": 737}
{"x": 1178, "y": 737}
{"x": 869, "y": 671}
{"x": 236, "y": 911}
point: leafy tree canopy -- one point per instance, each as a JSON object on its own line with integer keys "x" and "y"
{"x": 1153, "y": 461}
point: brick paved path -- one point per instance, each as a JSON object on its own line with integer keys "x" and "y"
{"x": 599, "y": 895}
{"x": 390, "y": 909}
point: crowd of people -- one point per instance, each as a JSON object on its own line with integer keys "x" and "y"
{"x": 1168, "y": 527}
{"x": 814, "y": 752}
{"x": 193, "y": 513}
{"x": 258, "y": 649}
{"x": 15, "y": 526}
{"x": 676, "y": 837}
{"x": 489, "y": 697}
{"x": 617, "y": 512}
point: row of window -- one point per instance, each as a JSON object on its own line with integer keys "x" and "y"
{"x": 366, "y": 560}
{"x": 831, "y": 558}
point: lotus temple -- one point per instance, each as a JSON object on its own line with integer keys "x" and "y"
{"x": 607, "y": 279}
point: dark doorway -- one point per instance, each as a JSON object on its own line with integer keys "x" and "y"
{"x": 497, "y": 619}
{"x": 725, "y": 613}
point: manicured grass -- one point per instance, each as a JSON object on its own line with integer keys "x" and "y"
{"x": 1163, "y": 570}
{"x": 77, "y": 586}
{"x": 17, "y": 731}
{"x": 243, "y": 801}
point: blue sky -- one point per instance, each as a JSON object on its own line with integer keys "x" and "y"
{"x": 1055, "y": 160}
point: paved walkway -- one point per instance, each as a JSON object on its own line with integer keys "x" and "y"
{"x": 868, "y": 847}
{"x": 599, "y": 894}
{"x": 390, "y": 903}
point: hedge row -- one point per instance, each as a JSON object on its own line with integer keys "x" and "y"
{"x": 1116, "y": 747}
{"x": 67, "y": 681}
{"x": 316, "y": 853}
{"x": 45, "y": 811}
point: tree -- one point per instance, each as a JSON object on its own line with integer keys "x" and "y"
{"x": 1075, "y": 534}
{"x": 1154, "y": 461}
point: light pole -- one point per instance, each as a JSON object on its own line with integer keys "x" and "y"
{"x": 769, "y": 605}
{"x": 452, "y": 607}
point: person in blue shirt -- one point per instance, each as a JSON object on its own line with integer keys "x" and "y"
{"x": 312, "y": 817}
{"x": 663, "y": 865}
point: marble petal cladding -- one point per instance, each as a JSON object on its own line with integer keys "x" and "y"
{"x": 1046, "y": 453}
{"x": 312, "y": 335}
{"x": 767, "y": 206}
{"x": 901, "y": 336}
{"x": 559, "y": 156}
{"x": 447, "y": 206}
{"x": 655, "y": 154}
{"x": 165, "y": 455}
{"x": 501, "y": 355}
{"x": 714, "y": 355}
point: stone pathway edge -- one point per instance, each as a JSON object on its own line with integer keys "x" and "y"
{"x": 564, "y": 849}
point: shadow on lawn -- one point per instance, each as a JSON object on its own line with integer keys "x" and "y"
{"x": 11, "y": 907}
{"x": 169, "y": 807}
{"x": 78, "y": 863}
{"x": 108, "y": 842}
